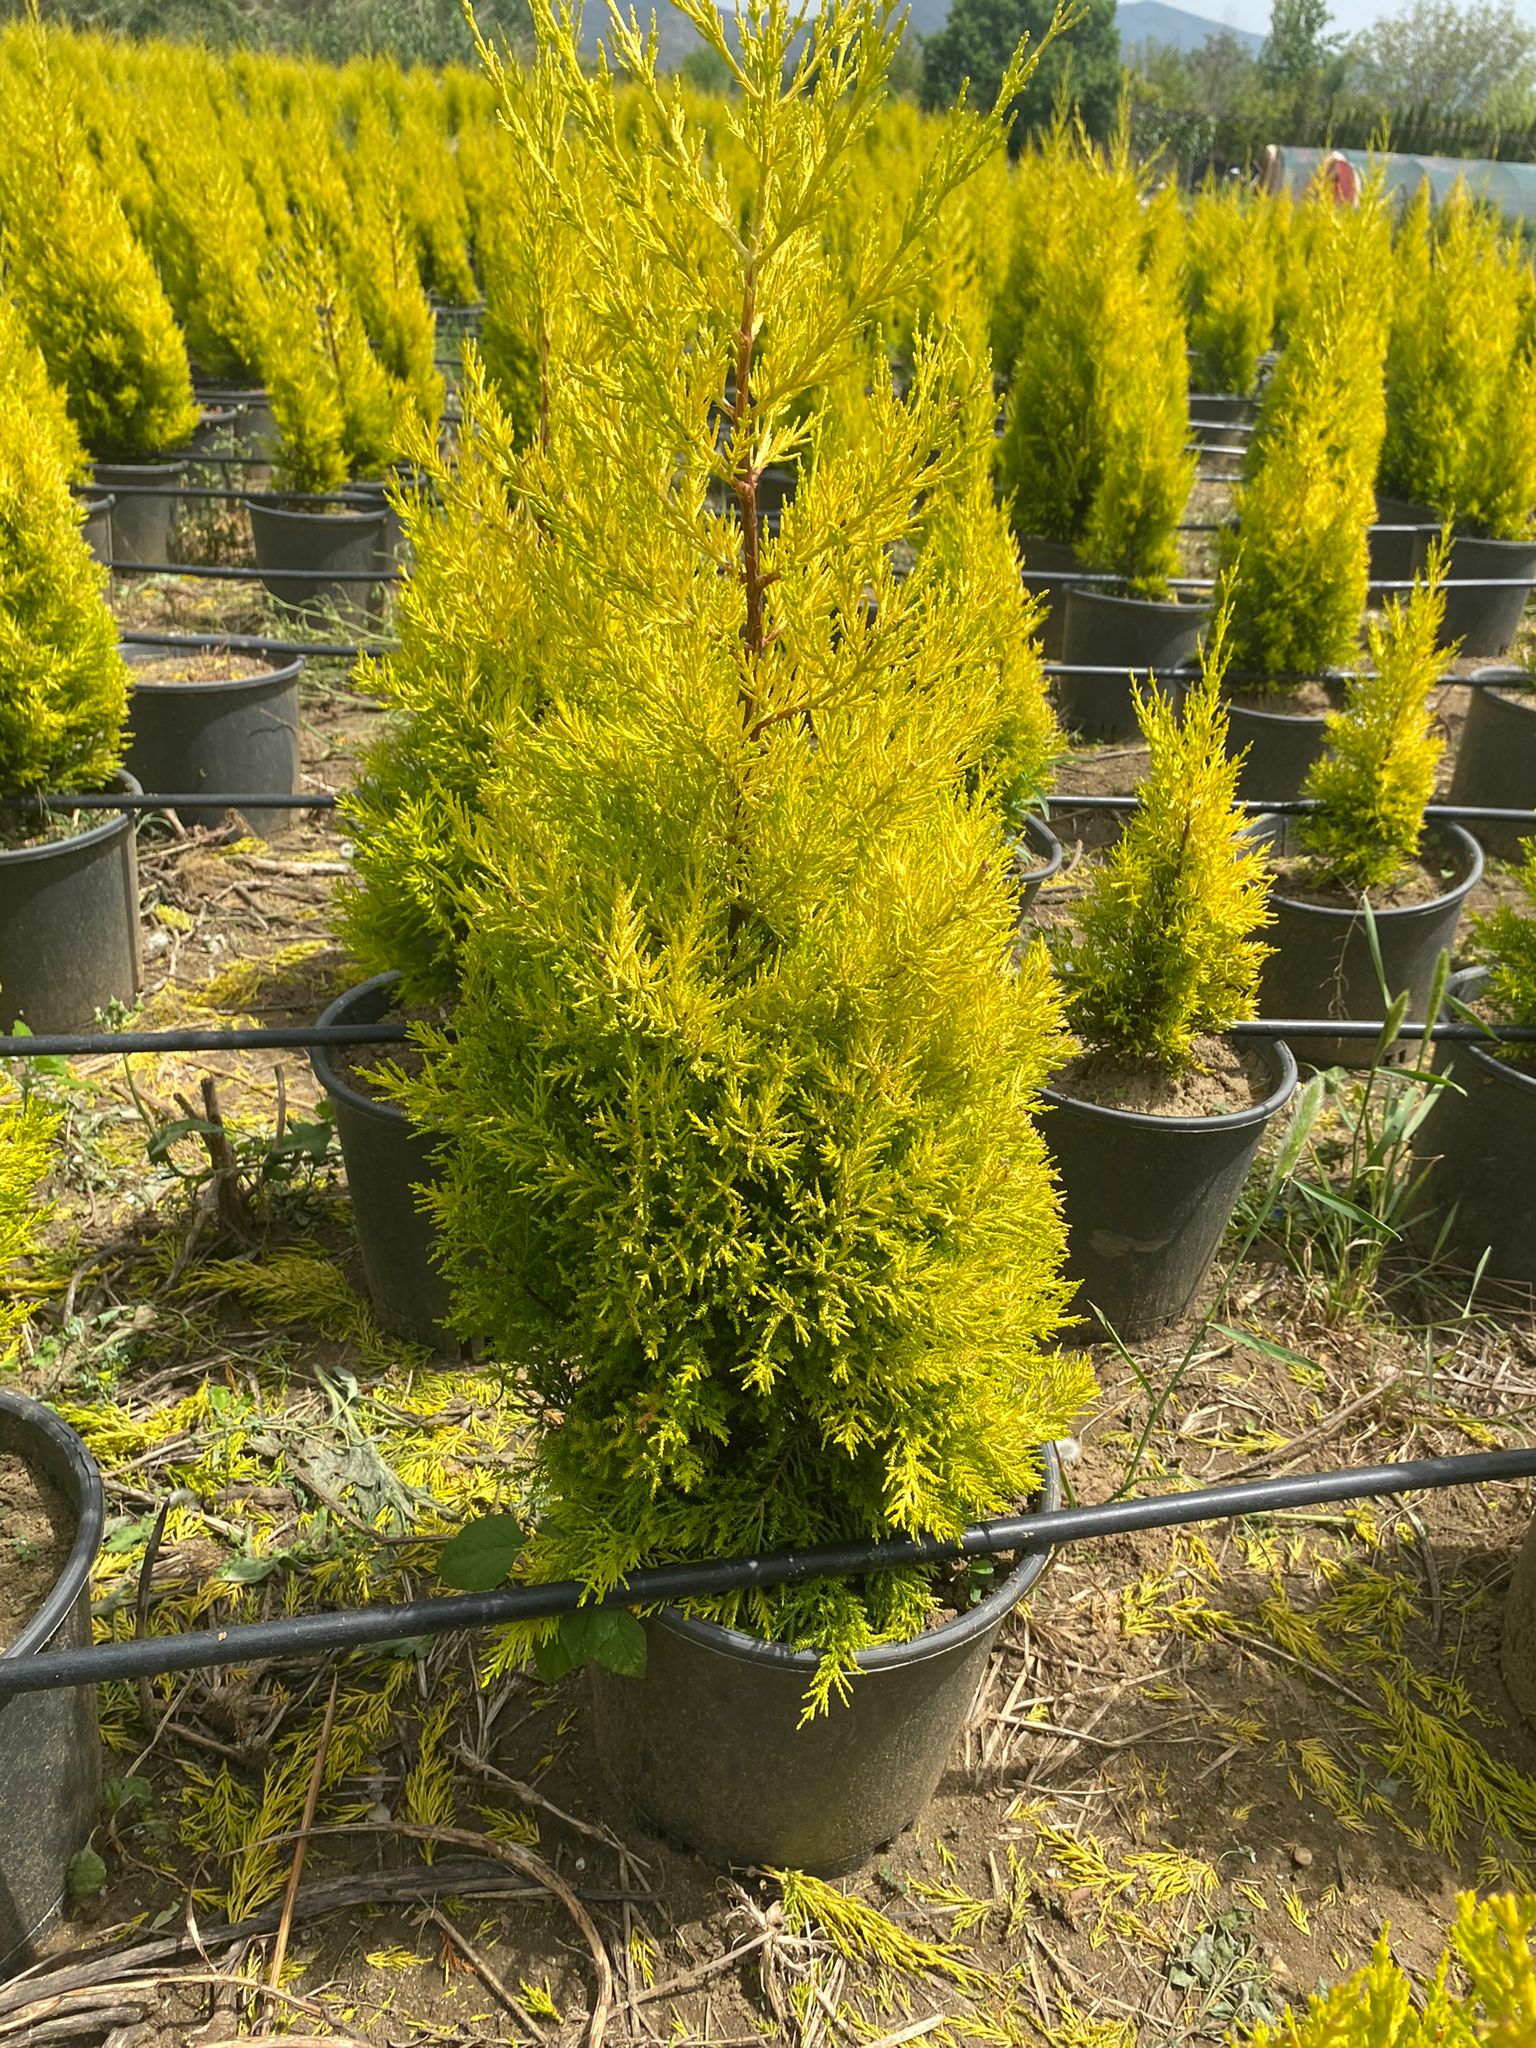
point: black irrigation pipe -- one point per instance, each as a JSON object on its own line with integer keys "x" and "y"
{"x": 256, "y": 643}
{"x": 258, "y": 1038}
{"x": 109, "y": 800}
{"x": 219, "y": 572}
{"x": 310, "y": 1635}
{"x": 1292, "y": 806}
{"x": 1495, "y": 677}
{"x": 295, "y": 1037}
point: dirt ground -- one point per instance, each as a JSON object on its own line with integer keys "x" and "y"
{"x": 1204, "y": 1771}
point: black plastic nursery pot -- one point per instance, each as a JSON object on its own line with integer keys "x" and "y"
{"x": 1040, "y": 857}
{"x": 69, "y": 924}
{"x": 1481, "y": 1136}
{"x": 1321, "y": 965}
{"x": 96, "y": 526}
{"x": 1398, "y": 544}
{"x": 1146, "y": 1198}
{"x": 300, "y": 543}
{"x": 1045, "y": 562}
{"x": 50, "y": 1754}
{"x": 1496, "y": 760}
{"x": 1485, "y": 621}
{"x": 1281, "y": 745}
{"x": 1215, "y": 415}
{"x": 1131, "y": 634}
{"x": 387, "y": 1161}
{"x": 240, "y": 735}
{"x": 707, "y": 1746}
{"x": 144, "y": 507}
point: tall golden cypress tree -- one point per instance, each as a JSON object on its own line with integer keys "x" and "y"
{"x": 739, "y": 1160}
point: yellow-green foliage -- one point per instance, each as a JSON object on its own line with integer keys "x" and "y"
{"x": 63, "y": 684}
{"x": 1165, "y": 947}
{"x": 1296, "y": 567}
{"x": 24, "y": 374}
{"x": 1461, "y": 382}
{"x": 740, "y": 1168}
{"x": 1482, "y": 1994}
{"x": 461, "y": 688}
{"x": 1231, "y": 277}
{"x": 26, "y": 1142}
{"x": 83, "y": 281}
{"x": 1506, "y": 939}
{"x": 1098, "y": 409}
{"x": 1377, "y": 770}
{"x": 335, "y": 410}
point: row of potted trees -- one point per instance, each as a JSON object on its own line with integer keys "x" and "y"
{"x": 728, "y": 1056}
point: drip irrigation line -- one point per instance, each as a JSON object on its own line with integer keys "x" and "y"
{"x": 1492, "y": 678}
{"x": 256, "y": 643}
{"x": 202, "y": 799}
{"x": 1294, "y": 806}
{"x": 294, "y": 1037}
{"x": 256, "y": 1038}
{"x": 220, "y": 573}
{"x": 313, "y": 1635}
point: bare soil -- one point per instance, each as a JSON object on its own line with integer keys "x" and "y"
{"x": 1223, "y": 1080}
{"x": 1310, "y": 699}
{"x": 214, "y": 665}
{"x": 37, "y": 1528}
{"x": 1295, "y": 878}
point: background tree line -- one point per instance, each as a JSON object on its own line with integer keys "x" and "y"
{"x": 1437, "y": 76}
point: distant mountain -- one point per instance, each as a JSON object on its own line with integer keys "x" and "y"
{"x": 1140, "y": 21}
{"x": 1153, "y": 21}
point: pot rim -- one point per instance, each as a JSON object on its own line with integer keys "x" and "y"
{"x": 1274, "y": 1051}
{"x": 341, "y": 1012}
{"x": 938, "y": 1642}
{"x": 1162, "y": 607}
{"x": 1519, "y": 696}
{"x": 89, "y": 1502}
{"x": 1041, "y": 840}
{"x": 1478, "y": 540}
{"x": 116, "y": 823}
{"x": 125, "y": 472}
{"x": 1461, "y": 841}
{"x": 1464, "y": 983}
{"x": 280, "y": 505}
{"x": 179, "y": 686}
{"x": 1232, "y": 701}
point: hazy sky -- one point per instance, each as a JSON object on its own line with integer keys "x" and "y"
{"x": 1348, "y": 15}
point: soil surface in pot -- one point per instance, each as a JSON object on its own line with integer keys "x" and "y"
{"x": 1295, "y": 878}
{"x": 363, "y": 1066}
{"x": 1300, "y": 700}
{"x": 25, "y": 827}
{"x": 210, "y": 666}
{"x": 1223, "y": 1081}
{"x": 1522, "y": 1058}
{"x": 37, "y": 1530}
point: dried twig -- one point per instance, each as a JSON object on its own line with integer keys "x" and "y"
{"x": 296, "y": 1871}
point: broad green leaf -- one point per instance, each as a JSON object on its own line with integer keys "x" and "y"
{"x": 481, "y": 1556}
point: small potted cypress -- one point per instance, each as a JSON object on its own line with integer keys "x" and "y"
{"x": 1095, "y": 450}
{"x": 1295, "y": 566}
{"x": 1231, "y": 277}
{"x": 1461, "y": 411}
{"x": 69, "y": 908}
{"x": 340, "y": 425}
{"x": 1365, "y": 899}
{"x": 52, "y": 1513}
{"x": 738, "y": 1161}
{"x": 1155, "y": 1121}
{"x": 94, "y": 306}
{"x": 1480, "y": 1135}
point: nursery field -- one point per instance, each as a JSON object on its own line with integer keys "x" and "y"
{"x": 730, "y": 825}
